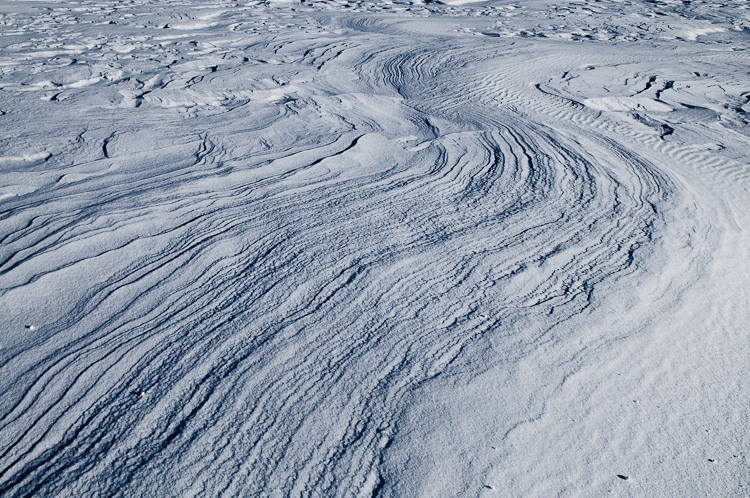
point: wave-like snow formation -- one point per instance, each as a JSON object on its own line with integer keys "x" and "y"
{"x": 342, "y": 248}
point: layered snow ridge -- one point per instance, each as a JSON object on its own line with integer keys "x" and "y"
{"x": 374, "y": 248}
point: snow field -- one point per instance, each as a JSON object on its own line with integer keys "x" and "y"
{"x": 373, "y": 248}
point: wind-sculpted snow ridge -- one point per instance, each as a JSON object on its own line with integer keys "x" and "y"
{"x": 332, "y": 248}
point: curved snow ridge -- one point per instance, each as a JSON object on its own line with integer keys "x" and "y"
{"x": 26, "y": 158}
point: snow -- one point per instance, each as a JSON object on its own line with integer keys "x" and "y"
{"x": 374, "y": 248}
{"x": 626, "y": 104}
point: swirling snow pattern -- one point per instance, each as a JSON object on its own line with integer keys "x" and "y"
{"x": 246, "y": 256}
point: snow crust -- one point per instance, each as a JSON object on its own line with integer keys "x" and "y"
{"x": 392, "y": 248}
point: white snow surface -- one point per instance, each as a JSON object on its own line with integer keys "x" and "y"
{"x": 393, "y": 248}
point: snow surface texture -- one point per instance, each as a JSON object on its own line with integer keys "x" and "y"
{"x": 340, "y": 248}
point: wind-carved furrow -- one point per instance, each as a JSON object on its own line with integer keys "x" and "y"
{"x": 251, "y": 302}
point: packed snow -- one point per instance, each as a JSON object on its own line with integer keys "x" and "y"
{"x": 379, "y": 248}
